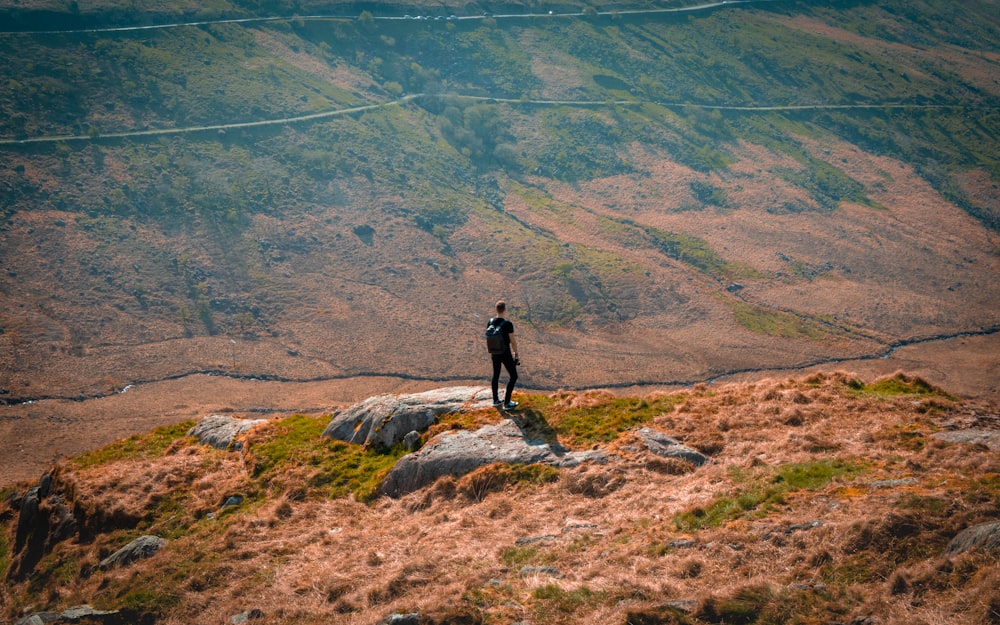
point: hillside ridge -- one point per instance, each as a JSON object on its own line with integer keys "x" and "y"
{"x": 856, "y": 493}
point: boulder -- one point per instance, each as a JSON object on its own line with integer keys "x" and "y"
{"x": 45, "y": 517}
{"x": 255, "y": 614}
{"x": 460, "y": 451}
{"x": 138, "y": 549}
{"x": 972, "y": 436}
{"x": 76, "y": 614}
{"x": 410, "y": 618}
{"x": 87, "y": 614}
{"x": 383, "y": 421}
{"x": 662, "y": 445}
{"x": 985, "y": 536}
{"x": 220, "y": 431}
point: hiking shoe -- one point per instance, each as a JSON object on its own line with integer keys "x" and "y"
{"x": 510, "y": 405}
{"x": 497, "y": 403}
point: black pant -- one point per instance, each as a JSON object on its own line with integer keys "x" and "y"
{"x": 507, "y": 360}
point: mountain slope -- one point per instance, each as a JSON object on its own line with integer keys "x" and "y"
{"x": 654, "y": 194}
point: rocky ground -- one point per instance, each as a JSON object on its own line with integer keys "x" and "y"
{"x": 823, "y": 498}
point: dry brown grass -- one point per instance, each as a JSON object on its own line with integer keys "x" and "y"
{"x": 597, "y": 544}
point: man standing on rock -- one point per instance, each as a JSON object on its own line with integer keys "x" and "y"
{"x": 503, "y": 350}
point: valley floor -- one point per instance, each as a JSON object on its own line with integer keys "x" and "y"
{"x": 34, "y": 435}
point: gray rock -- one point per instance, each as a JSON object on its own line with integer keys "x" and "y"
{"x": 220, "y": 431}
{"x": 990, "y": 438}
{"x": 138, "y": 549}
{"x": 38, "y": 618}
{"x": 411, "y": 441}
{"x": 384, "y": 420}
{"x": 85, "y": 612}
{"x": 662, "y": 445}
{"x": 413, "y": 618}
{"x": 76, "y": 614}
{"x": 461, "y": 451}
{"x": 249, "y": 615}
{"x": 538, "y": 570}
{"x": 985, "y": 536}
{"x": 905, "y": 481}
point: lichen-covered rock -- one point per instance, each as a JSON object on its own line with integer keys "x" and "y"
{"x": 384, "y": 420}
{"x": 461, "y": 451}
{"x": 985, "y": 536}
{"x": 662, "y": 445}
{"x": 138, "y": 549}
{"x": 76, "y": 614}
{"x": 221, "y": 431}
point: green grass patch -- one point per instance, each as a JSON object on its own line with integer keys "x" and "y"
{"x": 695, "y": 252}
{"x": 139, "y": 447}
{"x": 762, "y": 491}
{"x": 902, "y": 385}
{"x": 777, "y": 323}
{"x": 148, "y": 601}
{"x": 552, "y": 598}
{"x": 5, "y": 555}
{"x": 295, "y": 445}
{"x": 603, "y": 421}
{"x": 527, "y": 555}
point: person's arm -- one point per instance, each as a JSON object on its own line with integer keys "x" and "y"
{"x": 513, "y": 344}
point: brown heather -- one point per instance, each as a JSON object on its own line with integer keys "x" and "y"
{"x": 840, "y": 505}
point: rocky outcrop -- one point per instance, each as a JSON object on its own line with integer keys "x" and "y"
{"x": 138, "y": 549}
{"x": 461, "y": 451}
{"x": 659, "y": 444}
{"x": 44, "y": 518}
{"x": 972, "y": 436}
{"x": 985, "y": 536}
{"x": 77, "y": 614}
{"x": 222, "y": 431}
{"x": 383, "y": 421}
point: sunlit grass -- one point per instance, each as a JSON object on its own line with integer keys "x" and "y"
{"x": 759, "y": 492}
{"x": 141, "y": 446}
{"x": 331, "y": 468}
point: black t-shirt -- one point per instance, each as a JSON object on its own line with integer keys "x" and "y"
{"x": 506, "y": 326}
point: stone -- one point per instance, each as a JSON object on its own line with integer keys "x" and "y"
{"x": 412, "y": 618}
{"x": 662, "y": 445}
{"x": 383, "y": 421}
{"x": 972, "y": 436}
{"x": 38, "y": 618}
{"x": 87, "y": 614}
{"x": 140, "y": 548}
{"x": 221, "y": 431}
{"x": 985, "y": 536}
{"x": 249, "y": 615}
{"x": 411, "y": 441}
{"x": 459, "y": 452}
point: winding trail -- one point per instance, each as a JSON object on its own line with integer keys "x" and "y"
{"x": 158, "y": 132}
{"x": 403, "y": 100}
{"x": 887, "y": 352}
{"x": 383, "y": 18}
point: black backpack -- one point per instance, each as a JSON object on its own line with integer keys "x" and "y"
{"x": 496, "y": 341}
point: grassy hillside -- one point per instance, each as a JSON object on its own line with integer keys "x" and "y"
{"x": 807, "y": 182}
{"x": 826, "y": 499}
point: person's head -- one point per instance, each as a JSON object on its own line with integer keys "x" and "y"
{"x": 501, "y": 307}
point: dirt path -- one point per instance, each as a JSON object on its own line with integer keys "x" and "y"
{"x": 33, "y": 435}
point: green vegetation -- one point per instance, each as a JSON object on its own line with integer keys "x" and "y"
{"x": 759, "y": 492}
{"x": 599, "y": 421}
{"x": 555, "y": 602}
{"x": 777, "y": 323}
{"x": 332, "y": 468}
{"x": 899, "y": 385}
{"x": 695, "y": 252}
{"x": 139, "y": 447}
